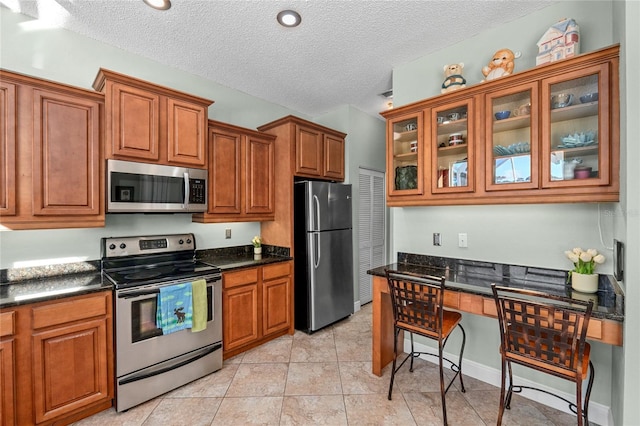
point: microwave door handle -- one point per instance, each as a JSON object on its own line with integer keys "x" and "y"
{"x": 186, "y": 189}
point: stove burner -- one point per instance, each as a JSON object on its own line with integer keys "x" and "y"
{"x": 143, "y": 275}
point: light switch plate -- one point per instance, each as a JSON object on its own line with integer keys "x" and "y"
{"x": 437, "y": 240}
{"x": 227, "y": 233}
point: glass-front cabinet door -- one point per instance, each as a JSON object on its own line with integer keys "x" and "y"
{"x": 511, "y": 149}
{"x": 452, "y": 158}
{"x": 575, "y": 139}
{"x": 405, "y": 155}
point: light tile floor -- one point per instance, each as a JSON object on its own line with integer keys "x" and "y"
{"x": 325, "y": 379}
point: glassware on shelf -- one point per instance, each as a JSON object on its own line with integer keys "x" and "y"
{"x": 451, "y": 148}
{"x": 574, "y": 129}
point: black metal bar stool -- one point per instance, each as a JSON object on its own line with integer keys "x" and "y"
{"x": 547, "y": 333}
{"x": 418, "y": 307}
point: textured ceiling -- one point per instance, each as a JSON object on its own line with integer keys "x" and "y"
{"x": 342, "y": 53}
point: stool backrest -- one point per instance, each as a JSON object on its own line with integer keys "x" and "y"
{"x": 548, "y": 329}
{"x": 417, "y": 301}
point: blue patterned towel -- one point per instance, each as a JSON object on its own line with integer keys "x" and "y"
{"x": 175, "y": 308}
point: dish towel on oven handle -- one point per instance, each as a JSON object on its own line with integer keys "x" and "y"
{"x": 175, "y": 308}
{"x": 199, "y": 295}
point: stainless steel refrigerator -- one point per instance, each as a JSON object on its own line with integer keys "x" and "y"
{"x": 323, "y": 254}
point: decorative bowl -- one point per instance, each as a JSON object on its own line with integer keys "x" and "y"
{"x": 501, "y": 115}
{"x": 582, "y": 172}
{"x": 589, "y": 97}
{"x": 561, "y": 100}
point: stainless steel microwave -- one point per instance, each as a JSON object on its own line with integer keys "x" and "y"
{"x": 152, "y": 188}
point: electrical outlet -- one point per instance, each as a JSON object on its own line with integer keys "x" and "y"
{"x": 462, "y": 240}
{"x": 227, "y": 233}
{"x": 437, "y": 241}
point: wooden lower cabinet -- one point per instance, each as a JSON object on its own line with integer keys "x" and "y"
{"x": 256, "y": 306}
{"x": 63, "y": 360}
{"x": 7, "y": 369}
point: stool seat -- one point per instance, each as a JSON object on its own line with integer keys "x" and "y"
{"x": 418, "y": 308}
{"x": 546, "y": 333}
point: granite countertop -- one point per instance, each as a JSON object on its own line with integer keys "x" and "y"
{"x": 242, "y": 257}
{"x": 29, "y": 285}
{"x": 50, "y": 288}
{"x": 476, "y": 277}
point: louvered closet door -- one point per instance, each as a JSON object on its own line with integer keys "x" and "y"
{"x": 371, "y": 229}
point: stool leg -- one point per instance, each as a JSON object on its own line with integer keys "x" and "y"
{"x": 396, "y": 331}
{"x": 588, "y": 395}
{"x": 510, "y": 390}
{"x": 442, "y": 392}
{"x": 502, "y": 391}
{"x": 412, "y": 352}
{"x": 464, "y": 340}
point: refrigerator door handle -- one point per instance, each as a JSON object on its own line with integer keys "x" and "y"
{"x": 316, "y": 260}
{"x": 316, "y": 202}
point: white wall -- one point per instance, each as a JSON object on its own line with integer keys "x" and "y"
{"x": 538, "y": 234}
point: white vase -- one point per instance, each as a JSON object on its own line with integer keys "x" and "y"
{"x": 586, "y": 283}
{"x": 257, "y": 250}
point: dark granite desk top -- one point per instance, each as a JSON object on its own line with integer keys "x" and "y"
{"x": 38, "y": 284}
{"x": 476, "y": 277}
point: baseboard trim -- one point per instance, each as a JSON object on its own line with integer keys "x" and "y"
{"x": 598, "y": 413}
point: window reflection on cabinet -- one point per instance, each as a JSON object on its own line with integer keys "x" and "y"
{"x": 577, "y": 140}
{"x": 452, "y": 161}
{"x": 405, "y": 156}
{"x": 512, "y": 139}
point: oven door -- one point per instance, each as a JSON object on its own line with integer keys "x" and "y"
{"x": 139, "y": 341}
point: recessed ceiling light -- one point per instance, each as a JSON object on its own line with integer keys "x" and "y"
{"x": 159, "y": 4}
{"x": 289, "y": 18}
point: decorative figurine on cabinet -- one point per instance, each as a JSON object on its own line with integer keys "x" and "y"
{"x": 560, "y": 41}
{"x": 501, "y": 65}
{"x": 453, "y": 78}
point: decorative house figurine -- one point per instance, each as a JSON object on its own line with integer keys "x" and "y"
{"x": 501, "y": 65}
{"x": 561, "y": 41}
{"x": 453, "y": 79}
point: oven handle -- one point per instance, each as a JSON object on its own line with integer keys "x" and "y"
{"x": 147, "y": 290}
{"x": 147, "y": 374}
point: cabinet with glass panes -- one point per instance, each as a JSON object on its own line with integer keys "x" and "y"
{"x": 405, "y": 155}
{"x": 576, "y": 126}
{"x": 511, "y": 123}
{"x": 545, "y": 135}
{"x": 452, "y": 167}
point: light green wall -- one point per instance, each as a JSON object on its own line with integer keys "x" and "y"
{"x": 66, "y": 57}
{"x": 626, "y": 374}
{"x": 538, "y": 234}
{"x": 366, "y": 141}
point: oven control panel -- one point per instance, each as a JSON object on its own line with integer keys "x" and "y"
{"x": 154, "y": 244}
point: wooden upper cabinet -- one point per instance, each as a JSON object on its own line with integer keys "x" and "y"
{"x": 317, "y": 151}
{"x": 241, "y": 175}
{"x": 186, "y": 135}
{"x": 550, "y": 134}
{"x": 151, "y": 123}
{"x": 308, "y": 151}
{"x": 260, "y": 174}
{"x": 225, "y": 171}
{"x": 66, "y": 155}
{"x": 7, "y": 148}
{"x": 133, "y": 123}
{"x": 59, "y": 131}
{"x": 333, "y": 157}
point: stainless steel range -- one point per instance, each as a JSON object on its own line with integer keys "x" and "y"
{"x": 150, "y": 358}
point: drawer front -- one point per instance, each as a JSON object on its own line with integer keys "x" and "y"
{"x": 237, "y": 278}
{"x": 70, "y": 310}
{"x": 7, "y": 323}
{"x": 277, "y": 270}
